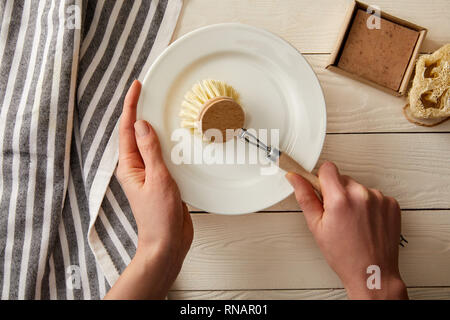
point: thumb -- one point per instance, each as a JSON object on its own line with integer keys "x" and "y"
{"x": 306, "y": 198}
{"x": 148, "y": 145}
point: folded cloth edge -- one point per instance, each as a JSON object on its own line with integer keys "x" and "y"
{"x": 110, "y": 157}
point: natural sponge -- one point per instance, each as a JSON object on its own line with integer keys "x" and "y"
{"x": 429, "y": 97}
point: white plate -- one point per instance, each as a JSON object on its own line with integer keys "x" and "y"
{"x": 278, "y": 89}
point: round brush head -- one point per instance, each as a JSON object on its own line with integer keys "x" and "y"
{"x": 211, "y": 104}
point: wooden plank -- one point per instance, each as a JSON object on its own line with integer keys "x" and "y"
{"x": 434, "y": 293}
{"x": 356, "y": 107}
{"x": 312, "y": 26}
{"x": 413, "y": 168}
{"x": 318, "y": 294}
{"x": 277, "y": 251}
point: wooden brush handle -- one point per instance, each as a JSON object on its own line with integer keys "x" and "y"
{"x": 290, "y": 165}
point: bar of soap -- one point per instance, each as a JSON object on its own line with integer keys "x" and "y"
{"x": 379, "y": 55}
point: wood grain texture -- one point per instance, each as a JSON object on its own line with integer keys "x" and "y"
{"x": 312, "y": 26}
{"x": 413, "y": 168}
{"x": 246, "y": 257}
{"x": 436, "y": 293}
{"x": 221, "y": 114}
{"x": 276, "y": 251}
{"x": 353, "y": 106}
{"x": 397, "y": 164}
{"x": 290, "y": 165}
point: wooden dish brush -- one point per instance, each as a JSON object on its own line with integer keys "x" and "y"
{"x": 213, "y": 104}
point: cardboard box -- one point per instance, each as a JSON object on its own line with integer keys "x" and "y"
{"x": 383, "y": 58}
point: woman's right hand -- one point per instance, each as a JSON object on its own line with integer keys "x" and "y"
{"x": 355, "y": 227}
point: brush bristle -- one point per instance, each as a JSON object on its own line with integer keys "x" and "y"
{"x": 196, "y": 98}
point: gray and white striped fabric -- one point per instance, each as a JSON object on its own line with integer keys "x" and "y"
{"x": 66, "y": 229}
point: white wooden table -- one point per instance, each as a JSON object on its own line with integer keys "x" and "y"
{"x": 271, "y": 254}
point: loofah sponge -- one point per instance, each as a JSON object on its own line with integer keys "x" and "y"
{"x": 429, "y": 97}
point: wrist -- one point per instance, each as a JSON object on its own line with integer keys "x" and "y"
{"x": 161, "y": 257}
{"x": 152, "y": 257}
{"x": 150, "y": 267}
{"x": 391, "y": 288}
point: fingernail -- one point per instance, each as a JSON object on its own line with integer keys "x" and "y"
{"x": 141, "y": 128}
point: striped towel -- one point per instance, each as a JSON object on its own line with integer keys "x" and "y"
{"x": 66, "y": 228}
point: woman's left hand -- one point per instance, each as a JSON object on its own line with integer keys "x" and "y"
{"x": 164, "y": 224}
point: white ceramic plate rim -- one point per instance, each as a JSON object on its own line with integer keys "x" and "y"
{"x": 320, "y": 104}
